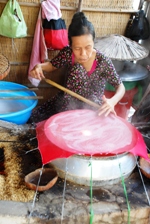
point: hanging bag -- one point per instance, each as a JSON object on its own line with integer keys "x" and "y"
{"x": 12, "y": 23}
{"x": 55, "y": 34}
{"x": 138, "y": 27}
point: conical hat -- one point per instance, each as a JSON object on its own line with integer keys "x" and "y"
{"x": 118, "y": 47}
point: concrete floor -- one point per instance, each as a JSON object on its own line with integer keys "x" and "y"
{"x": 109, "y": 204}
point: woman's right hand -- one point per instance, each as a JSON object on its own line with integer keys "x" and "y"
{"x": 37, "y": 72}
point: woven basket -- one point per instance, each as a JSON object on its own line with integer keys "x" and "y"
{"x": 4, "y": 66}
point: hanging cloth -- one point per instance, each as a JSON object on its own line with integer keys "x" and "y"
{"x": 55, "y": 32}
{"x": 49, "y": 10}
{"x": 39, "y": 50}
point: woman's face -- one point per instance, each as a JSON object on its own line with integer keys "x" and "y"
{"x": 82, "y": 47}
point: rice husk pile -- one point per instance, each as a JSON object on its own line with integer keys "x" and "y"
{"x": 16, "y": 166}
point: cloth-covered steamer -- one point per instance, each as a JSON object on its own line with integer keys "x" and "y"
{"x": 82, "y": 135}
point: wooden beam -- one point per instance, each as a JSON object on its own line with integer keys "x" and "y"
{"x": 23, "y": 3}
{"x": 75, "y": 9}
{"x": 110, "y": 10}
{"x": 16, "y": 63}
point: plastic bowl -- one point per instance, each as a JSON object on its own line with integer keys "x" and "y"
{"x": 12, "y": 110}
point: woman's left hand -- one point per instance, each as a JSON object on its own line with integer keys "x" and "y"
{"x": 107, "y": 107}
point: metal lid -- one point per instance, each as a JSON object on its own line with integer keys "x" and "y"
{"x": 133, "y": 72}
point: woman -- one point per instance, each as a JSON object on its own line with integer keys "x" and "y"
{"x": 88, "y": 70}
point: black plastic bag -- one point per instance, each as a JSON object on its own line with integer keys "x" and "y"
{"x": 138, "y": 27}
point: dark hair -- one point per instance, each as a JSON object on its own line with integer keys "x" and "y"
{"x": 80, "y": 26}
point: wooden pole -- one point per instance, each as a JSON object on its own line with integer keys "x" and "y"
{"x": 20, "y": 97}
{"x": 79, "y": 6}
{"x": 79, "y": 97}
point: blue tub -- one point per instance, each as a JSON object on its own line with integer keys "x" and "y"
{"x": 17, "y": 111}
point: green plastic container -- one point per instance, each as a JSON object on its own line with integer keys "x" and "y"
{"x": 129, "y": 86}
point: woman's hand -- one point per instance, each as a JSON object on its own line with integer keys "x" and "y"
{"x": 37, "y": 72}
{"x": 148, "y": 67}
{"x": 107, "y": 107}
{"x": 109, "y": 104}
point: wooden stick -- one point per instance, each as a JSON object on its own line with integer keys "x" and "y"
{"x": 72, "y": 93}
{"x": 79, "y": 9}
{"x": 21, "y": 97}
{"x": 19, "y": 89}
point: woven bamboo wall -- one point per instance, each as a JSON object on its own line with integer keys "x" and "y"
{"x": 108, "y": 17}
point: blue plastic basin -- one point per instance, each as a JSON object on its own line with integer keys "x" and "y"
{"x": 17, "y": 111}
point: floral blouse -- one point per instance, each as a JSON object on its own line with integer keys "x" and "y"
{"x": 89, "y": 85}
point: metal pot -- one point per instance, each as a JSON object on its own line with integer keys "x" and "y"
{"x": 119, "y": 65}
{"x": 105, "y": 169}
{"x": 133, "y": 72}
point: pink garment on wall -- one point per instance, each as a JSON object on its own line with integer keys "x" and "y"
{"x": 51, "y": 9}
{"x": 39, "y": 51}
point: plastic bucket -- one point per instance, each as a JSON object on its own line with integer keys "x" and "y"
{"x": 15, "y": 110}
{"x": 122, "y": 108}
{"x": 127, "y": 85}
